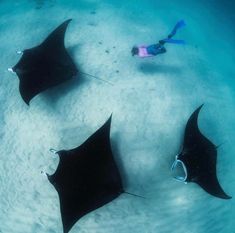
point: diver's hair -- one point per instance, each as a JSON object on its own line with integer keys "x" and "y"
{"x": 134, "y": 50}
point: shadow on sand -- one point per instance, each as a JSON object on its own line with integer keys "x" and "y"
{"x": 53, "y": 95}
{"x": 72, "y": 50}
{"x": 151, "y": 68}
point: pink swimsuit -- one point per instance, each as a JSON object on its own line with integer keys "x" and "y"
{"x": 143, "y": 51}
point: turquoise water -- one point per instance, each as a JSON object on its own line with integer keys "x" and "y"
{"x": 151, "y": 100}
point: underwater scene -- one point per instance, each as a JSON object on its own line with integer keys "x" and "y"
{"x": 117, "y": 116}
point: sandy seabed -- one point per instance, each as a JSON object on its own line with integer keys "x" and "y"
{"x": 151, "y": 100}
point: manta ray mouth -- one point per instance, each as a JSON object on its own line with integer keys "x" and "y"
{"x": 180, "y": 170}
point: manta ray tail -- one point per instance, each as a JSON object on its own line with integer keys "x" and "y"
{"x": 135, "y": 195}
{"x": 97, "y": 78}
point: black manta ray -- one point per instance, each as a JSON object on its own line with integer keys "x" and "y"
{"x": 198, "y": 159}
{"x": 87, "y": 177}
{"x": 45, "y": 65}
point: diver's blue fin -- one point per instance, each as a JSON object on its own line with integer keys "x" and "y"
{"x": 178, "y": 25}
{"x": 172, "y": 41}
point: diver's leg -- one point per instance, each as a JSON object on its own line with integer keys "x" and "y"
{"x": 162, "y": 42}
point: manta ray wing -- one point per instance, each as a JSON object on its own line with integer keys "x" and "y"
{"x": 45, "y": 66}
{"x": 210, "y": 184}
{"x": 87, "y": 177}
{"x": 193, "y": 136}
{"x": 199, "y": 156}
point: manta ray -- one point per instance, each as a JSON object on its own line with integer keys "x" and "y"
{"x": 198, "y": 159}
{"x": 45, "y": 66}
{"x": 87, "y": 177}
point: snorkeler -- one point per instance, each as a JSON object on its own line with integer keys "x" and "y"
{"x": 155, "y": 49}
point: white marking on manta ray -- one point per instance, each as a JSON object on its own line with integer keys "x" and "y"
{"x": 10, "y": 70}
{"x": 53, "y": 151}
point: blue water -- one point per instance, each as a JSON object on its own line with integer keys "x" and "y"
{"x": 151, "y": 100}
